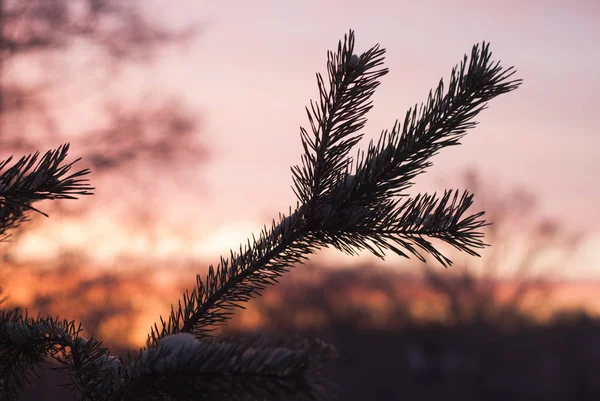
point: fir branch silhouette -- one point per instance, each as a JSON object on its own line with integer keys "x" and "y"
{"x": 25, "y": 342}
{"x": 20, "y": 187}
{"x": 358, "y": 210}
{"x": 238, "y": 367}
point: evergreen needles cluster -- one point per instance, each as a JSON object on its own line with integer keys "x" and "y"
{"x": 351, "y": 204}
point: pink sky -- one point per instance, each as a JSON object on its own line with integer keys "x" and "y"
{"x": 251, "y": 73}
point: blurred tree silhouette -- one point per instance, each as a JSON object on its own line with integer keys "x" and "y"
{"x": 34, "y": 34}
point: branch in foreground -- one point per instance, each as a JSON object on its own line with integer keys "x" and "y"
{"x": 328, "y": 194}
{"x": 20, "y": 185}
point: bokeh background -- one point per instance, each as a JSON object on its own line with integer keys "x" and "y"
{"x": 187, "y": 113}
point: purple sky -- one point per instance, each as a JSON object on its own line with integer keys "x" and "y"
{"x": 251, "y": 73}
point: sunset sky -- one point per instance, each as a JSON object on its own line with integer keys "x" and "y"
{"x": 251, "y": 72}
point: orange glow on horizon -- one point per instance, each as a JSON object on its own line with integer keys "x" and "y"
{"x": 136, "y": 300}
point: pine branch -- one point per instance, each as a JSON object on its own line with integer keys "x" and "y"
{"x": 20, "y": 187}
{"x": 400, "y": 222}
{"x": 445, "y": 118}
{"x": 24, "y": 344}
{"x": 248, "y": 367}
{"x": 94, "y": 373}
{"x": 358, "y": 210}
{"x": 341, "y": 113}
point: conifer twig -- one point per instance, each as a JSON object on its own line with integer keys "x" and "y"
{"x": 20, "y": 186}
{"x": 24, "y": 341}
{"x": 366, "y": 209}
